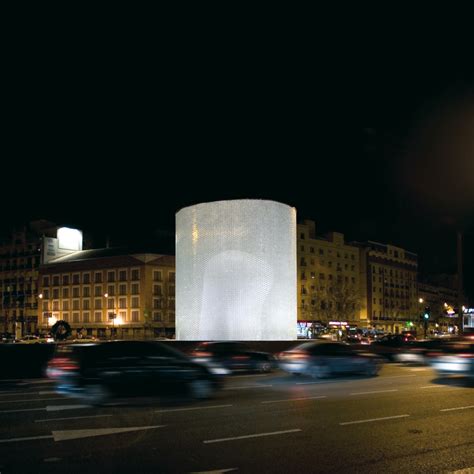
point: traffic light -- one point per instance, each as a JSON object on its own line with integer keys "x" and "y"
{"x": 426, "y": 314}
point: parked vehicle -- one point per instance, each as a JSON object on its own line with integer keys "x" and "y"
{"x": 98, "y": 372}
{"x": 322, "y": 359}
{"x": 234, "y": 356}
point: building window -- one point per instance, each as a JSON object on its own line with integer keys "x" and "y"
{"x": 171, "y": 317}
{"x": 86, "y": 291}
{"x": 135, "y": 288}
{"x": 98, "y": 303}
{"x": 65, "y": 279}
{"x": 98, "y": 277}
{"x": 122, "y": 303}
{"x": 303, "y": 276}
{"x": 111, "y": 276}
{"x": 110, "y": 303}
{"x": 171, "y": 290}
{"x": 311, "y": 249}
{"x": 135, "y": 274}
{"x": 55, "y": 305}
{"x": 302, "y": 236}
{"x": 123, "y": 275}
{"x": 46, "y": 281}
{"x": 172, "y": 277}
{"x": 45, "y": 306}
{"x": 86, "y": 278}
{"x": 156, "y": 303}
{"x": 56, "y": 280}
{"x": 135, "y": 302}
{"x": 98, "y": 290}
{"x": 56, "y": 293}
{"x": 111, "y": 290}
{"x": 157, "y": 290}
{"x": 75, "y": 279}
{"x": 321, "y": 252}
{"x": 86, "y": 304}
{"x": 98, "y": 317}
{"x": 66, "y": 305}
{"x": 302, "y": 248}
{"x": 156, "y": 275}
{"x": 86, "y": 317}
{"x": 123, "y": 289}
{"x": 157, "y": 316}
{"x": 75, "y": 304}
{"x": 75, "y": 292}
{"x": 135, "y": 316}
{"x": 66, "y": 317}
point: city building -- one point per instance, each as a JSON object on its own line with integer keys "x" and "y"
{"x": 109, "y": 292}
{"x": 389, "y": 286}
{"x": 328, "y": 280}
{"x": 20, "y": 257}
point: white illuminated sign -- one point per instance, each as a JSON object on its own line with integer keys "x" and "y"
{"x": 236, "y": 271}
{"x": 69, "y": 239}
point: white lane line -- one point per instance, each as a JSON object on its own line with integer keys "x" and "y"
{"x": 434, "y": 386}
{"x": 294, "y": 399}
{"x": 66, "y": 407}
{"x": 306, "y": 383}
{"x": 78, "y": 434}
{"x": 48, "y": 392}
{"x": 373, "y": 419}
{"x": 247, "y": 386}
{"x": 216, "y": 471}
{"x": 13, "y": 440}
{"x": 25, "y": 409}
{"x": 70, "y": 418}
{"x": 458, "y": 408}
{"x": 258, "y": 435}
{"x": 374, "y": 391}
{"x": 192, "y": 408}
{"x": 467, "y": 470}
{"x": 32, "y": 400}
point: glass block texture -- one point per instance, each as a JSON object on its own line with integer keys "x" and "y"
{"x": 236, "y": 271}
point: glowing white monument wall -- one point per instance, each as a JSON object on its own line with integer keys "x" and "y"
{"x": 236, "y": 271}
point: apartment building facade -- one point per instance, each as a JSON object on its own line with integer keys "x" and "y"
{"x": 328, "y": 279}
{"x": 109, "y": 292}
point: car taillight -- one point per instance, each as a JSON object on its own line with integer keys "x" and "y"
{"x": 294, "y": 355}
{"x": 466, "y": 356}
{"x": 201, "y": 354}
{"x": 63, "y": 363}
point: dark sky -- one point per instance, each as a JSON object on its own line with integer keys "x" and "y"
{"x": 115, "y": 137}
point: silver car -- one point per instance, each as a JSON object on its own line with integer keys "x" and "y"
{"x": 456, "y": 358}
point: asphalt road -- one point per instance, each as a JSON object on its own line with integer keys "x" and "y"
{"x": 404, "y": 420}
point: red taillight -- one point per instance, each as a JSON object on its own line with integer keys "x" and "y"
{"x": 466, "y": 356}
{"x": 201, "y": 354}
{"x": 294, "y": 355}
{"x": 63, "y": 363}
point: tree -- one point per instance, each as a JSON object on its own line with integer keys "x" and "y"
{"x": 61, "y": 330}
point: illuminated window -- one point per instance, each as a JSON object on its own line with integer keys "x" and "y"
{"x": 122, "y": 303}
{"x": 135, "y": 316}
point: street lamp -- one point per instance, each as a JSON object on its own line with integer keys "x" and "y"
{"x": 421, "y": 300}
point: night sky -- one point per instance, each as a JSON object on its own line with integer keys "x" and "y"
{"x": 114, "y": 140}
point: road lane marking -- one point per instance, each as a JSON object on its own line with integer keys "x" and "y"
{"x": 247, "y": 386}
{"x": 66, "y": 407}
{"x": 258, "y": 435}
{"x": 373, "y": 419}
{"x": 14, "y": 440}
{"x": 70, "y": 418}
{"x": 458, "y": 408}
{"x": 374, "y": 391}
{"x": 192, "y": 408}
{"x": 434, "y": 386}
{"x": 67, "y": 435}
{"x": 294, "y": 399}
{"x": 24, "y": 409}
{"x": 216, "y": 471}
{"x": 32, "y": 400}
{"x": 467, "y": 470}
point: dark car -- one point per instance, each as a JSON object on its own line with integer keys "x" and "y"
{"x": 97, "y": 372}
{"x": 322, "y": 359}
{"x": 390, "y": 345}
{"x": 416, "y": 352}
{"x": 234, "y": 356}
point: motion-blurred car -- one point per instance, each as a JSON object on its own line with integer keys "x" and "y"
{"x": 390, "y": 345}
{"x": 456, "y": 358}
{"x": 416, "y": 352}
{"x": 322, "y": 359}
{"x": 234, "y": 356}
{"x": 97, "y": 372}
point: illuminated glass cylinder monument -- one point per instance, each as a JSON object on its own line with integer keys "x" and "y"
{"x": 236, "y": 271}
